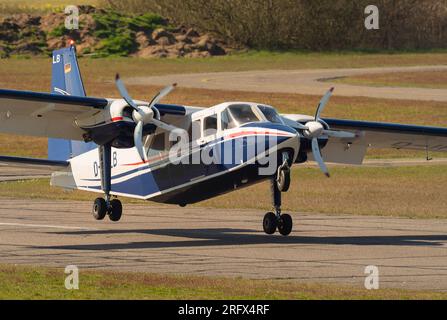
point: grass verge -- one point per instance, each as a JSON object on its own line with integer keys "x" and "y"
{"x": 25, "y": 282}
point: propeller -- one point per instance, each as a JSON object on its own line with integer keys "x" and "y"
{"x": 317, "y": 128}
{"x": 143, "y": 115}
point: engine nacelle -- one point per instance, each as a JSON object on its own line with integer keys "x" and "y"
{"x": 114, "y": 124}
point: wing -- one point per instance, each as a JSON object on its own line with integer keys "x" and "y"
{"x": 396, "y": 136}
{"x": 383, "y": 135}
{"x": 33, "y": 163}
{"x": 45, "y": 115}
{"x": 376, "y": 135}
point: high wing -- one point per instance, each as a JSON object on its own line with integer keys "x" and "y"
{"x": 44, "y": 114}
{"x": 376, "y": 135}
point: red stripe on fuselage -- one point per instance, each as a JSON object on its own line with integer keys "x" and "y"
{"x": 257, "y": 133}
{"x": 156, "y": 158}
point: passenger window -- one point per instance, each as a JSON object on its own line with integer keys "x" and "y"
{"x": 194, "y": 130}
{"x": 157, "y": 145}
{"x": 210, "y": 125}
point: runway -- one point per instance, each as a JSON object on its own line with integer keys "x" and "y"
{"x": 410, "y": 254}
{"x": 313, "y": 82}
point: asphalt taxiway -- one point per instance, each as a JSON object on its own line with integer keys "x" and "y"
{"x": 313, "y": 82}
{"x": 410, "y": 254}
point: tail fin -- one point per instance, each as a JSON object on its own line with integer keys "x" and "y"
{"x": 66, "y": 77}
{"x": 66, "y": 80}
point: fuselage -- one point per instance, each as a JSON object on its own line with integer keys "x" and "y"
{"x": 231, "y": 146}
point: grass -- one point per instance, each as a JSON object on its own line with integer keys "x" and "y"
{"x": 423, "y": 79}
{"x": 25, "y": 282}
{"x": 251, "y": 60}
{"x": 23, "y": 146}
{"x": 413, "y": 192}
{"x": 8, "y": 7}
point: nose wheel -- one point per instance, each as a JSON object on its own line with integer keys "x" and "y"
{"x": 283, "y": 176}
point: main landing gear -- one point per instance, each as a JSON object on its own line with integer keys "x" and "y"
{"x": 114, "y": 209}
{"x": 102, "y": 207}
{"x": 278, "y": 221}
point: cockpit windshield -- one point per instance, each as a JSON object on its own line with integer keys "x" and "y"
{"x": 237, "y": 115}
{"x": 271, "y": 114}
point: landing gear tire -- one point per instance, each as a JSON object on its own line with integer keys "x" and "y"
{"x": 285, "y": 224}
{"x": 99, "y": 210}
{"x": 270, "y": 223}
{"x": 283, "y": 179}
{"x": 116, "y": 210}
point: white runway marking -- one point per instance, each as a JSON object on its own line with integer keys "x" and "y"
{"x": 43, "y": 226}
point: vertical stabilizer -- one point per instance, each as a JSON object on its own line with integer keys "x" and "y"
{"x": 66, "y": 80}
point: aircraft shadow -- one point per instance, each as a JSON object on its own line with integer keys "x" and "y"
{"x": 227, "y": 237}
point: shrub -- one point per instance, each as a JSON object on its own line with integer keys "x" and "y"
{"x": 121, "y": 45}
{"x": 118, "y": 31}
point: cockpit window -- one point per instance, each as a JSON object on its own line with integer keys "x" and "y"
{"x": 270, "y": 114}
{"x": 227, "y": 123}
{"x": 238, "y": 114}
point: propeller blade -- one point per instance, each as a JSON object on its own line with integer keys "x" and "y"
{"x": 163, "y": 93}
{"x": 318, "y": 158}
{"x": 138, "y": 139}
{"x": 323, "y": 103}
{"x": 163, "y": 125}
{"x": 124, "y": 93}
{"x": 340, "y": 134}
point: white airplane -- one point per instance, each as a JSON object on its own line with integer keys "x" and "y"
{"x": 121, "y": 147}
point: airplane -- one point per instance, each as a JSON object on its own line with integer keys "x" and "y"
{"x": 123, "y": 147}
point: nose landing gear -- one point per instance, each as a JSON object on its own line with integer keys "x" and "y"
{"x": 283, "y": 176}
